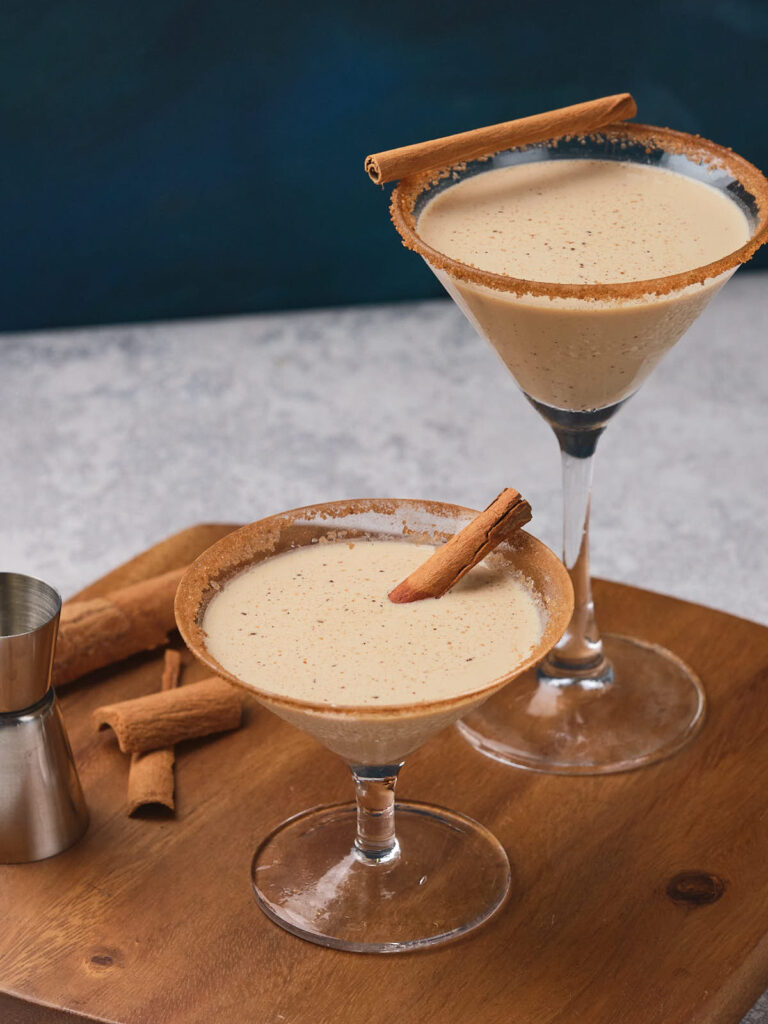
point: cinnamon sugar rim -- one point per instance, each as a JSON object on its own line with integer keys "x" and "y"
{"x": 696, "y": 148}
{"x": 242, "y": 548}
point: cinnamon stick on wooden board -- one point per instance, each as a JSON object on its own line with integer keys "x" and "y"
{"x": 150, "y": 776}
{"x": 577, "y": 119}
{"x": 104, "y": 630}
{"x": 443, "y": 570}
{"x": 168, "y": 717}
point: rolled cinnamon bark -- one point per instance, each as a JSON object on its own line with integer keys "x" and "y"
{"x": 451, "y": 149}
{"x": 443, "y": 570}
{"x": 104, "y": 630}
{"x": 166, "y": 718}
{"x": 151, "y": 780}
{"x": 150, "y": 777}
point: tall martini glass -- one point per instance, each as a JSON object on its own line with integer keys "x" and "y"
{"x": 578, "y": 351}
{"x": 374, "y": 875}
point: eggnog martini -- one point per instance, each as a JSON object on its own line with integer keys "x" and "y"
{"x": 315, "y": 625}
{"x": 296, "y": 609}
{"x": 582, "y": 222}
{"x": 582, "y": 260}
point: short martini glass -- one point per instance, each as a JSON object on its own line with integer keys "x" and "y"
{"x": 375, "y": 875}
{"x": 597, "y": 703}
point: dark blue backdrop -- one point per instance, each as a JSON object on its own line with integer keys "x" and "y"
{"x": 167, "y": 158}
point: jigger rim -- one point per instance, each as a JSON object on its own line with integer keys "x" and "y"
{"x": 34, "y": 584}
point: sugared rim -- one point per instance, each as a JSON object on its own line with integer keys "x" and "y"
{"x": 698, "y": 149}
{"x": 235, "y": 552}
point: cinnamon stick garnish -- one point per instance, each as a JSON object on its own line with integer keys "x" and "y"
{"x": 166, "y": 718}
{"x": 452, "y": 149}
{"x": 98, "y": 632}
{"x": 443, "y": 570}
{"x": 150, "y": 776}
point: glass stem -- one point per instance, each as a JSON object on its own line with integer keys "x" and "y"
{"x": 579, "y": 654}
{"x": 375, "y": 794}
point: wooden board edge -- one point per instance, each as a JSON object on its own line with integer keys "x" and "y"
{"x": 173, "y": 552}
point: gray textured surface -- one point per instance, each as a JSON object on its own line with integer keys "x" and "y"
{"x": 116, "y": 437}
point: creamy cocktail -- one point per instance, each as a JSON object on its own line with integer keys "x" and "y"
{"x": 582, "y": 222}
{"x": 295, "y": 608}
{"x": 315, "y": 625}
{"x": 582, "y": 260}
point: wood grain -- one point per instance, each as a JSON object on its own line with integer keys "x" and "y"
{"x": 171, "y": 553}
{"x": 639, "y": 898}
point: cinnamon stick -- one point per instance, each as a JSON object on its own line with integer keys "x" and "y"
{"x": 98, "y": 632}
{"x": 452, "y": 149}
{"x": 443, "y": 570}
{"x": 150, "y": 776}
{"x": 166, "y": 718}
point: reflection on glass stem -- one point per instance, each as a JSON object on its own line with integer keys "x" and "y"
{"x": 376, "y": 841}
{"x": 578, "y": 658}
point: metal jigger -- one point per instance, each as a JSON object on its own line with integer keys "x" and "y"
{"x": 42, "y": 809}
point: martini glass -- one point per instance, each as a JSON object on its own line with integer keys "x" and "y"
{"x": 597, "y": 703}
{"x": 374, "y": 875}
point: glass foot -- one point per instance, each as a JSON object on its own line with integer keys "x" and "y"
{"x": 446, "y": 877}
{"x": 652, "y": 708}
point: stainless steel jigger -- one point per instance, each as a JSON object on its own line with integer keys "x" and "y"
{"x": 42, "y": 809}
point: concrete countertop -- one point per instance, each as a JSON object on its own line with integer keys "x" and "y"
{"x": 115, "y": 437}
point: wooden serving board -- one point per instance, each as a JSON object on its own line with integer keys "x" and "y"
{"x": 636, "y": 898}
